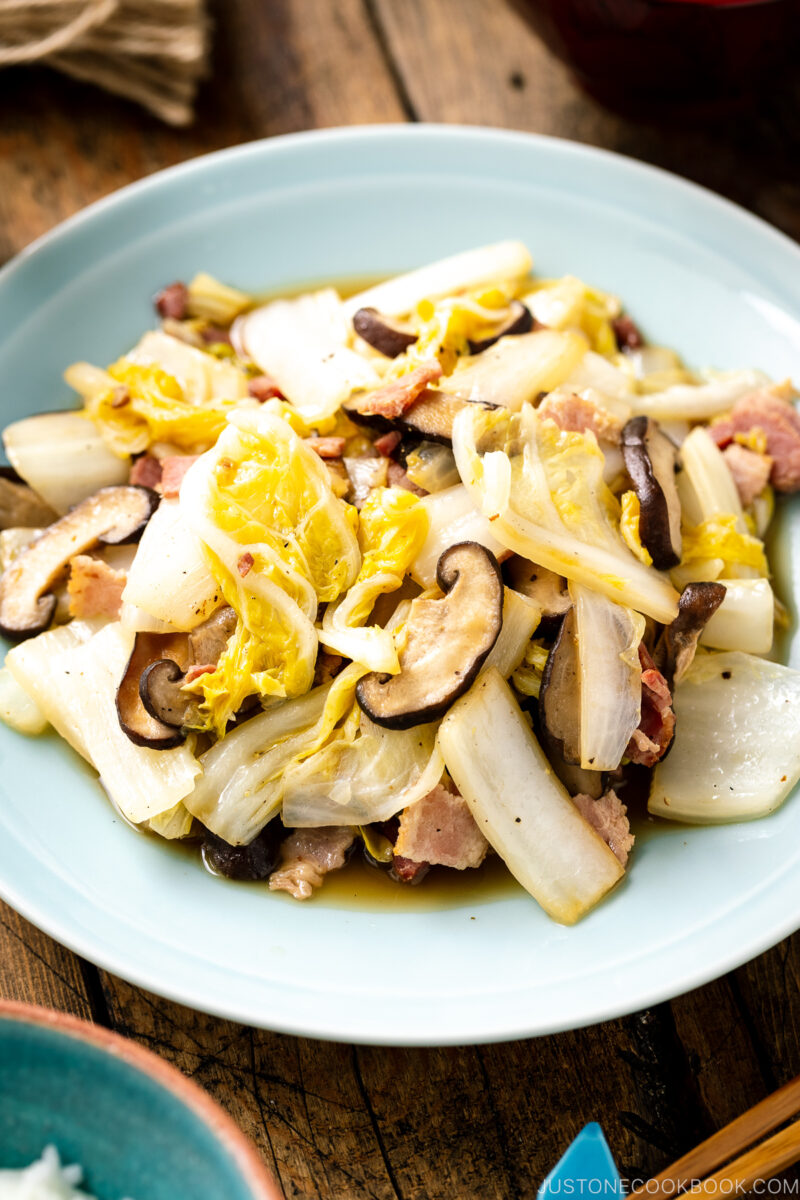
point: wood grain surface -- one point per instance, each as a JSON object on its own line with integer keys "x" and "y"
{"x": 334, "y": 1120}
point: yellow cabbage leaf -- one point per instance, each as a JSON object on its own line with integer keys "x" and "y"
{"x": 718, "y": 537}
{"x": 629, "y": 527}
{"x": 136, "y": 404}
{"x": 543, "y": 491}
{"x": 393, "y": 527}
{"x": 278, "y": 542}
{"x": 445, "y": 329}
{"x": 569, "y": 303}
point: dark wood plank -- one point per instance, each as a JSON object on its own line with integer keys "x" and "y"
{"x": 35, "y": 969}
{"x": 768, "y": 989}
{"x": 478, "y": 63}
{"x": 288, "y": 65}
{"x": 300, "y": 1100}
{"x": 725, "y": 1065}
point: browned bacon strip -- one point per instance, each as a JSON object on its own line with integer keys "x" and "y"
{"x": 307, "y": 856}
{"x": 94, "y": 588}
{"x": 769, "y": 411}
{"x": 609, "y": 817}
{"x": 397, "y": 396}
{"x": 657, "y": 725}
{"x": 173, "y": 471}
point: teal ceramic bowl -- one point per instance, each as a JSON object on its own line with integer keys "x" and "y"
{"x": 135, "y": 1124}
{"x": 698, "y": 274}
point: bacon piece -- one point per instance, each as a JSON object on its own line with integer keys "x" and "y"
{"x": 172, "y": 301}
{"x": 608, "y": 816}
{"x": 264, "y": 387}
{"x": 576, "y": 415}
{"x": 94, "y": 588}
{"x": 396, "y": 477}
{"x": 627, "y": 333}
{"x": 146, "y": 471}
{"x": 396, "y": 397}
{"x": 440, "y": 830}
{"x": 770, "y": 411}
{"x": 326, "y": 447}
{"x": 307, "y": 855}
{"x": 405, "y": 871}
{"x": 749, "y": 469}
{"x": 197, "y": 670}
{"x": 245, "y": 563}
{"x": 172, "y": 473}
{"x": 215, "y": 334}
{"x": 388, "y": 443}
{"x": 657, "y": 725}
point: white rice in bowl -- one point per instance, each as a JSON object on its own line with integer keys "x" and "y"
{"x": 44, "y": 1180}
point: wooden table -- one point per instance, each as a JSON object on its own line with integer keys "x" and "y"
{"x": 336, "y": 1120}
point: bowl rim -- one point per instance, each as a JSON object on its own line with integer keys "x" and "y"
{"x": 360, "y": 138}
{"x": 241, "y": 1149}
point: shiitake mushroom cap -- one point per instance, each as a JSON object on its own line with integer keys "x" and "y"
{"x": 447, "y": 642}
{"x": 650, "y": 461}
{"x": 112, "y": 516}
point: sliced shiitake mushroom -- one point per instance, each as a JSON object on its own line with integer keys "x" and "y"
{"x": 447, "y": 642}
{"x": 430, "y": 417}
{"x": 650, "y": 461}
{"x": 382, "y": 333}
{"x": 559, "y": 713}
{"x": 519, "y": 320}
{"x": 255, "y": 861}
{"x": 559, "y": 696}
{"x": 675, "y": 650}
{"x": 207, "y": 641}
{"x": 20, "y": 506}
{"x": 135, "y": 720}
{"x": 161, "y": 681}
{"x": 112, "y": 516}
{"x": 547, "y": 589}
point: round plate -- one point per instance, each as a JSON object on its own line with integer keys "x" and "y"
{"x": 700, "y": 275}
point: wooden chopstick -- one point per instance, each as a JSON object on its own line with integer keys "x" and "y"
{"x": 726, "y": 1143}
{"x": 761, "y": 1162}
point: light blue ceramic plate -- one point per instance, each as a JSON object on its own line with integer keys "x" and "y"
{"x": 135, "y": 1124}
{"x": 699, "y": 274}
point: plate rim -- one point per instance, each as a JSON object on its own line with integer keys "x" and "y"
{"x": 147, "y": 976}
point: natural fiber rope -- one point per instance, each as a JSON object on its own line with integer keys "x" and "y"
{"x": 94, "y": 13}
{"x": 151, "y": 51}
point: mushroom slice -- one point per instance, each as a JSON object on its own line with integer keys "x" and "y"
{"x": 208, "y": 640}
{"x": 382, "y": 333}
{"x": 430, "y": 417}
{"x": 650, "y": 461}
{"x": 135, "y": 720}
{"x": 547, "y": 589}
{"x": 447, "y": 642}
{"x": 113, "y": 515}
{"x": 519, "y": 320}
{"x": 162, "y": 697}
{"x": 559, "y": 696}
{"x": 161, "y": 683}
{"x": 20, "y": 506}
{"x": 677, "y": 645}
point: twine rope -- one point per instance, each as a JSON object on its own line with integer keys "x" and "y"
{"x": 151, "y": 51}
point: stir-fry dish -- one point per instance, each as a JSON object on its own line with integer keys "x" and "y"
{"x": 459, "y": 565}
